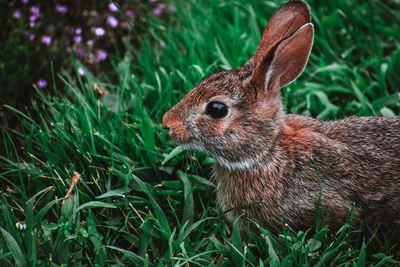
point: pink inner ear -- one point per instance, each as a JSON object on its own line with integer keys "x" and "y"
{"x": 289, "y": 59}
{"x": 286, "y": 21}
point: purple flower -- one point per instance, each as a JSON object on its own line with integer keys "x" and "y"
{"x": 90, "y": 42}
{"x": 128, "y": 24}
{"x": 41, "y": 83}
{"x": 113, "y": 22}
{"x": 101, "y": 55}
{"x": 32, "y": 24}
{"x": 112, "y": 7}
{"x": 159, "y": 9}
{"x": 99, "y": 31}
{"x": 77, "y": 39}
{"x": 32, "y": 18}
{"x": 35, "y": 10}
{"x": 25, "y": 1}
{"x": 17, "y": 14}
{"x": 61, "y": 9}
{"x": 78, "y": 30}
{"x": 153, "y": 1}
{"x": 129, "y": 13}
{"x": 79, "y": 51}
{"x": 29, "y": 35}
{"x": 46, "y": 40}
{"x": 81, "y": 71}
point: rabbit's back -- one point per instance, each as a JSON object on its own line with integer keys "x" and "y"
{"x": 373, "y": 152}
{"x": 351, "y": 164}
{"x": 377, "y": 134}
{"x": 375, "y": 138}
{"x": 357, "y": 160}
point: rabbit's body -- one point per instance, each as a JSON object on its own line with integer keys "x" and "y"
{"x": 288, "y": 162}
{"x": 352, "y": 163}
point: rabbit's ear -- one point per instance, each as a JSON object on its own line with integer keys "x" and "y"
{"x": 284, "y": 48}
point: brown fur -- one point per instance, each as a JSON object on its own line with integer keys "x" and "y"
{"x": 289, "y": 161}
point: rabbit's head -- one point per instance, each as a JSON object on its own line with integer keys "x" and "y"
{"x": 236, "y": 115}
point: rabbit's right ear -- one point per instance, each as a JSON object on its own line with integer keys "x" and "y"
{"x": 283, "y": 50}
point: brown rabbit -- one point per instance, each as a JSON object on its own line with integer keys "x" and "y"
{"x": 287, "y": 161}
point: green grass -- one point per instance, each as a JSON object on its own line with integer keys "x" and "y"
{"x": 140, "y": 200}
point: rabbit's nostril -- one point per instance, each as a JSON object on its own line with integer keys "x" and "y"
{"x": 176, "y": 127}
{"x": 165, "y": 126}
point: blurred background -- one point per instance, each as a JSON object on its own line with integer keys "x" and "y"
{"x": 40, "y": 39}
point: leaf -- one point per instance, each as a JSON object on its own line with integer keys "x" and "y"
{"x": 313, "y": 244}
{"x": 112, "y": 101}
{"x": 39, "y": 216}
{"x": 237, "y": 245}
{"x": 95, "y": 204}
{"x": 146, "y": 129}
{"x": 274, "y": 259}
{"x": 129, "y": 254}
{"x": 147, "y": 231}
{"x": 225, "y": 64}
{"x": 197, "y": 180}
{"x": 184, "y": 234}
{"x": 363, "y": 99}
{"x": 384, "y": 259}
{"x": 386, "y": 112}
{"x": 114, "y": 193}
{"x": 67, "y": 208}
{"x": 176, "y": 185}
{"x": 362, "y": 257}
{"x": 29, "y": 240}
{"x": 327, "y": 256}
{"x": 176, "y": 151}
{"x": 21, "y": 114}
{"x": 393, "y": 71}
{"x": 160, "y": 215}
{"x": 96, "y": 239}
{"x": 188, "y": 209}
{"x": 9, "y": 220}
{"x": 322, "y": 233}
{"x": 14, "y": 248}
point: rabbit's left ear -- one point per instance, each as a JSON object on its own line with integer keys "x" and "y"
{"x": 283, "y": 50}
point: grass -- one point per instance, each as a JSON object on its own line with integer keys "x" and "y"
{"x": 139, "y": 199}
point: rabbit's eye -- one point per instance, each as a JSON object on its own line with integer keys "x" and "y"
{"x": 216, "y": 110}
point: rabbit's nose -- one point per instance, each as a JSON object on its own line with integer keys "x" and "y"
{"x": 176, "y": 127}
{"x": 166, "y": 121}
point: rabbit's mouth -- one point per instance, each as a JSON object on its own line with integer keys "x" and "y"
{"x": 178, "y": 138}
{"x": 190, "y": 144}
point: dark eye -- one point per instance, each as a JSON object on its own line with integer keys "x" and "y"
{"x": 216, "y": 110}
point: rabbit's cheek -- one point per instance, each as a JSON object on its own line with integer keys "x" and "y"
{"x": 211, "y": 127}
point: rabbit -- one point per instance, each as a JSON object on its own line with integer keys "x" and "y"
{"x": 275, "y": 168}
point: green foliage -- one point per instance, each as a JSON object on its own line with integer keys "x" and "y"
{"x": 141, "y": 200}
